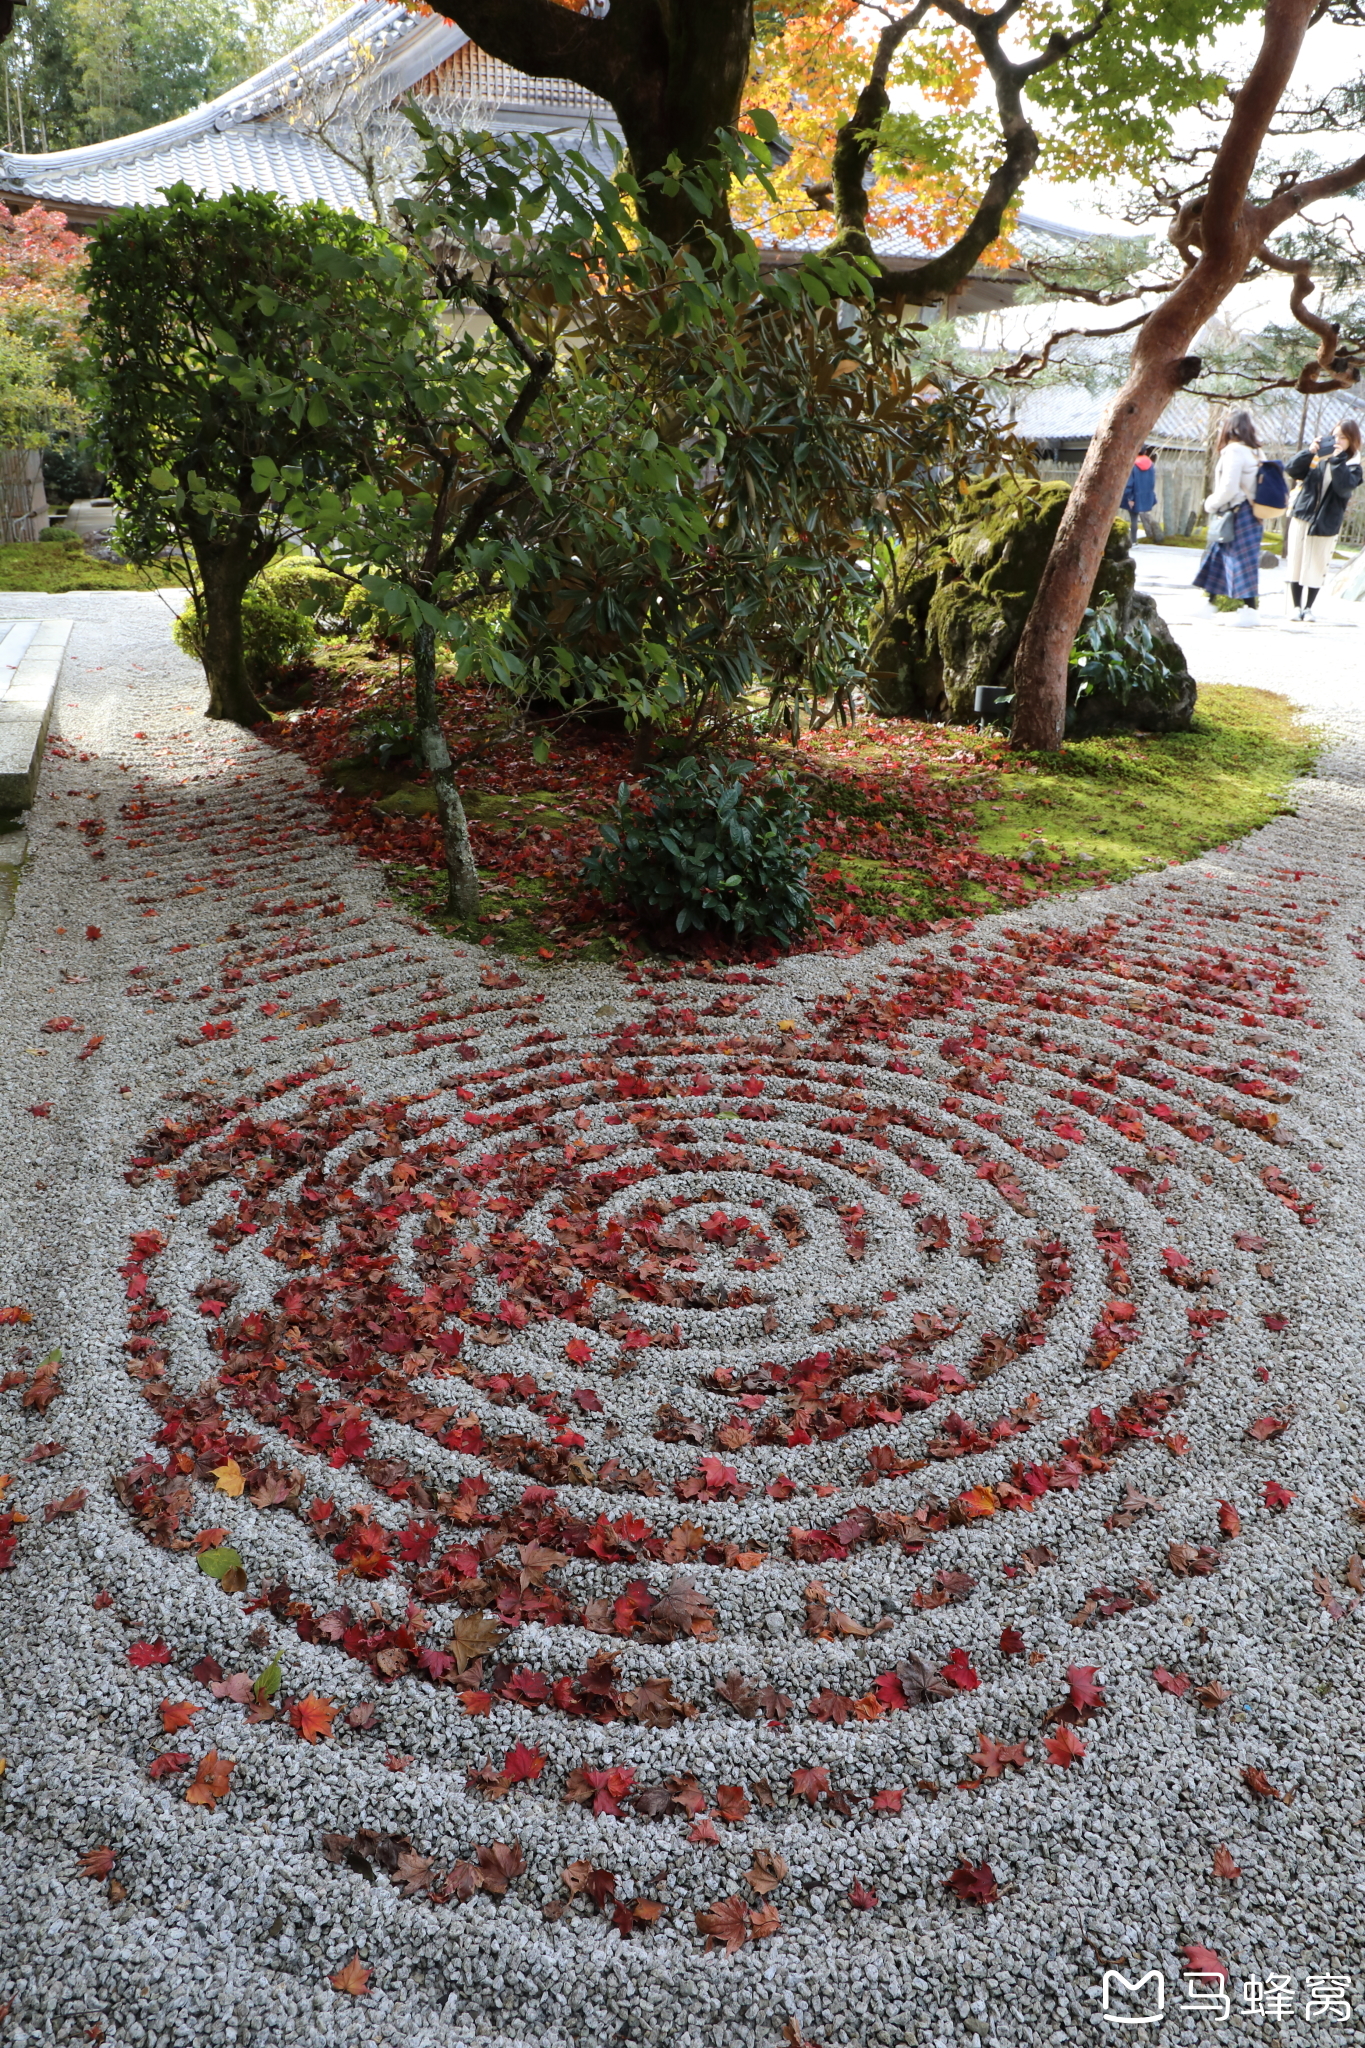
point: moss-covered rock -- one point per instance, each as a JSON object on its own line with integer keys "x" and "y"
{"x": 954, "y": 612}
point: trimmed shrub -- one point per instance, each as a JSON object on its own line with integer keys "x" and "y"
{"x": 307, "y": 587}
{"x": 709, "y": 847}
{"x": 274, "y": 635}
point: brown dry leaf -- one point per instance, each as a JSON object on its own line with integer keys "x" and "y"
{"x": 1212, "y": 1695}
{"x": 352, "y": 1977}
{"x": 767, "y": 1872}
{"x": 475, "y": 1635}
{"x": 1354, "y": 1573}
{"x": 211, "y": 1780}
{"x": 763, "y": 1921}
{"x": 1223, "y": 1865}
{"x": 574, "y": 1876}
{"x": 97, "y": 1862}
{"x": 413, "y": 1873}
{"x": 727, "y": 1921}
{"x": 1255, "y": 1780}
{"x": 681, "y": 1606}
{"x": 738, "y": 1692}
{"x": 732, "y": 1804}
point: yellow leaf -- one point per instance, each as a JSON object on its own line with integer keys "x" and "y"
{"x": 229, "y": 1478}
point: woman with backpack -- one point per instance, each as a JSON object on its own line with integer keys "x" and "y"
{"x": 1231, "y": 562}
{"x": 1328, "y": 474}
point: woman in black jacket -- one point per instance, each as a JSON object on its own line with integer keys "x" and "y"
{"x": 1328, "y": 474}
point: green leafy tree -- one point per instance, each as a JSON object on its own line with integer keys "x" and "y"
{"x": 301, "y": 294}
{"x": 609, "y": 473}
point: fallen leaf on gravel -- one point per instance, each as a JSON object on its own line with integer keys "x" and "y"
{"x": 703, "y": 1829}
{"x": 13, "y": 1313}
{"x": 1354, "y": 1573}
{"x": 763, "y": 1921}
{"x": 1172, "y": 1681}
{"x": 809, "y": 1784}
{"x": 1229, "y": 1521}
{"x": 767, "y": 1872}
{"x": 1277, "y": 1496}
{"x": 1065, "y": 1747}
{"x": 353, "y": 1977}
{"x": 1275, "y": 1321}
{"x": 211, "y": 1780}
{"x": 42, "y": 1452}
{"x": 229, "y": 1478}
{"x": 737, "y": 1692}
{"x": 861, "y": 1897}
{"x": 102, "y": 1600}
{"x": 412, "y": 1873}
{"x": 393, "y": 1762}
{"x": 1202, "y": 1962}
{"x": 40, "y": 1109}
{"x": 313, "y": 1717}
{"x": 140, "y": 1655}
{"x": 1012, "y": 1643}
{"x": 97, "y": 1862}
{"x": 1223, "y": 1865}
{"x": 72, "y": 1505}
{"x": 45, "y": 1385}
{"x": 727, "y": 1921}
{"x": 1265, "y": 1427}
{"x": 732, "y": 1804}
{"x": 1255, "y": 1780}
{"x": 56, "y": 1024}
{"x": 235, "y": 1687}
{"x": 176, "y": 1714}
{"x": 475, "y": 1635}
{"x": 890, "y": 1799}
{"x": 1212, "y": 1695}
{"x": 169, "y": 1764}
{"x": 499, "y": 1863}
{"x": 993, "y": 1758}
{"x": 958, "y": 1671}
{"x": 974, "y": 1883}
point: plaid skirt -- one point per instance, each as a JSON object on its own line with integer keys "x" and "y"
{"x": 1232, "y": 568}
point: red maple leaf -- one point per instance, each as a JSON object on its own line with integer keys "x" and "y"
{"x": 974, "y": 1883}
{"x": 577, "y": 1351}
{"x": 1202, "y": 1962}
{"x": 1065, "y": 1747}
{"x": 1277, "y": 1496}
{"x": 1229, "y": 1521}
{"x": 889, "y": 1800}
{"x": 140, "y": 1655}
{"x": 810, "y": 1784}
{"x": 1172, "y": 1681}
{"x": 521, "y": 1764}
{"x": 1012, "y": 1643}
{"x": 167, "y": 1765}
{"x": 958, "y": 1671}
{"x": 97, "y": 1862}
{"x": 861, "y": 1897}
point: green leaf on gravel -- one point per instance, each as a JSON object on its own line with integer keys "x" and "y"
{"x": 218, "y": 1563}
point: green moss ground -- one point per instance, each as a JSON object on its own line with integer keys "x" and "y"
{"x": 1143, "y": 801}
{"x": 55, "y": 567}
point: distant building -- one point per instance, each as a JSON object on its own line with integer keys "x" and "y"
{"x": 257, "y": 135}
{"x": 1059, "y": 420}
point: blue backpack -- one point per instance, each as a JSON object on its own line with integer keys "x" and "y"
{"x": 1272, "y": 490}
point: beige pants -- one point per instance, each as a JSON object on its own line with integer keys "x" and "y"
{"x": 1307, "y": 555}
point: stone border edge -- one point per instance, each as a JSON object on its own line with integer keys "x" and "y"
{"x": 26, "y": 713}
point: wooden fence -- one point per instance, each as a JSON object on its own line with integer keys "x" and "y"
{"x": 23, "y": 500}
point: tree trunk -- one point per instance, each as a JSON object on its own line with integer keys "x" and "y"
{"x": 672, "y": 73}
{"x": 1041, "y": 663}
{"x": 1218, "y": 235}
{"x": 463, "y": 898}
{"x": 223, "y": 577}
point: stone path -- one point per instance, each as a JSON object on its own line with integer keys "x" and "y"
{"x": 851, "y": 1462}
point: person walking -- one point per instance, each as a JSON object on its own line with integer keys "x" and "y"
{"x": 1139, "y": 497}
{"x": 1231, "y": 562}
{"x": 1327, "y": 473}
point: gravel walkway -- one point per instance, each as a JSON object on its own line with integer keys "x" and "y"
{"x": 764, "y": 1446}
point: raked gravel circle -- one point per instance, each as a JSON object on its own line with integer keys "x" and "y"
{"x": 655, "y": 1419}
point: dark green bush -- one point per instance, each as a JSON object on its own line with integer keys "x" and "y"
{"x": 274, "y": 635}
{"x": 1118, "y": 662}
{"x": 385, "y": 737}
{"x": 707, "y": 847}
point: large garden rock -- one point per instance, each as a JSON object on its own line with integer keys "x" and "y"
{"x": 955, "y": 611}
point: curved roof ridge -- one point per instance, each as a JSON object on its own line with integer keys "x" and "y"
{"x": 254, "y": 97}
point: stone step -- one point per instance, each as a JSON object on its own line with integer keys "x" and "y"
{"x": 31, "y": 653}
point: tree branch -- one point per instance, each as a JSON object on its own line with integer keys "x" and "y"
{"x": 856, "y": 142}
{"x": 543, "y": 39}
